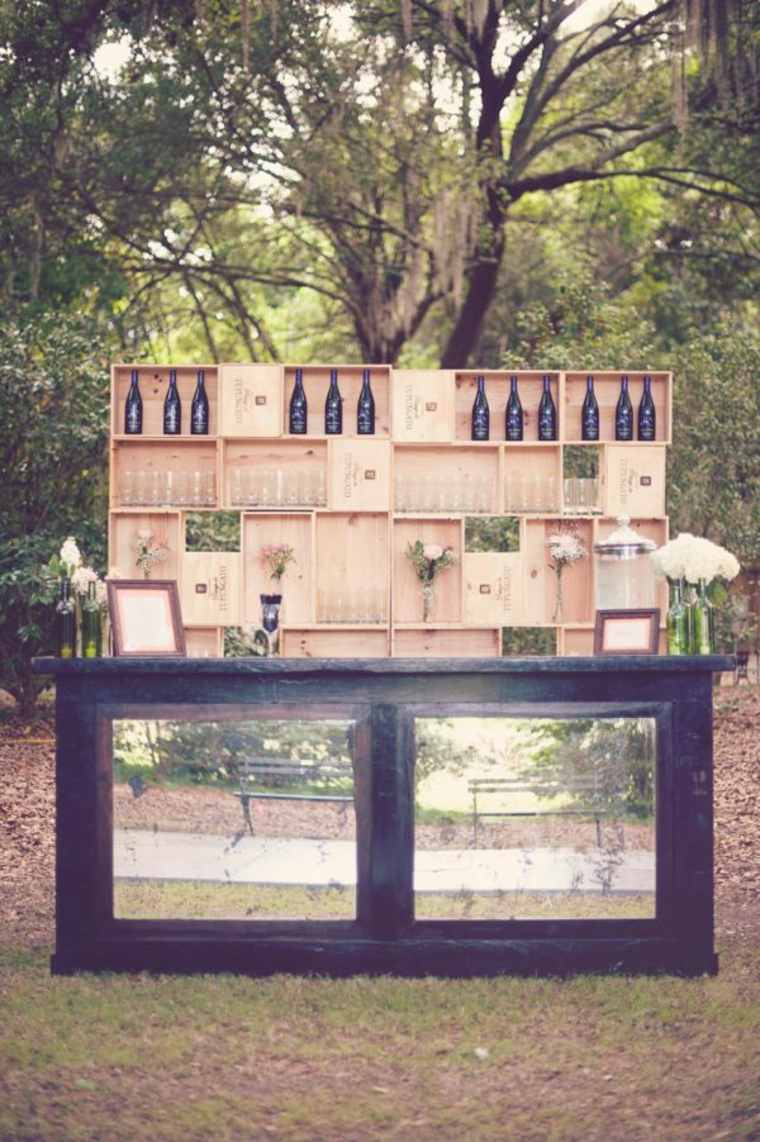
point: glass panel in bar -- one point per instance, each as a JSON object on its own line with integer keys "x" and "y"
{"x": 245, "y": 818}
{"x": 534, "y": 818}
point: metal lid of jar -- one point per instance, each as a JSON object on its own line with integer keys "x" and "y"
{"x": 624, "y": 542}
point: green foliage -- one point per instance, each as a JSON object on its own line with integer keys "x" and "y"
{"x": 53, "y": 430}
{"x": 491, "y": 533}
{"x": 518, "y": 642}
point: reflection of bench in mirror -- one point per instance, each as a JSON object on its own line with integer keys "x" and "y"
{"x": 271, "y": 778}
{"x": 480, "y": 786}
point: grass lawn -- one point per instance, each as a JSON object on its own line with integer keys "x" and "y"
{"x": 193, "y": 899}
{"x": 133, "y": 1057}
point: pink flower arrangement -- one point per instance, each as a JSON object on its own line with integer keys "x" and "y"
{"x": 276, "y": 557}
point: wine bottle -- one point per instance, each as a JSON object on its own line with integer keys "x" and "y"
{"x": 624, "y": 413}
{"x": 91, "y": 635}
{"x": 334, "y": 407}
{"x": 133, "y": 409}
{"x": 481, "y": 417}
{"x": 365, "y": 410}
{"x": 514, "y": 425}
{"x": 172, "y": 407}
{"x": 299, "y": 409}
{"x": 590, "y": 413}
{"x": 547, "y": 413}
{"x": 647, "y": 413}
{"x": 67, "y": 621}
{"x": 199, "y": 417}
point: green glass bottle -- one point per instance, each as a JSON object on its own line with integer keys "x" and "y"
{"x": 67, "y": 621}
{"x": 677, "y": 621}
{"x": 91, "y": 627}
{"x": 702, "y": 622}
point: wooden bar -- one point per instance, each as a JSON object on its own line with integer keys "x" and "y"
{"x": 385, "y": 697}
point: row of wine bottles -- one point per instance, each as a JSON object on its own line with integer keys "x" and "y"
{"x": 481, "y": 416}
{"x": 199, "y": 409}
{"x": 298, "y": 413}
{"x": 547, "y": 413}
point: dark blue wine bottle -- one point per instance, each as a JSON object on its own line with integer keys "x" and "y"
{"x": 172, "y": 407}
{"x": 199, "y": 417}
{"x": 133, "y": 409}
{"x": 481, "y": 416}
{"x": 647, "y": 413}
{"x": 590, "y": 413}
{"x": 333, "y": 407}
{"x": 299, "y": 409}
{"x": 365, "y": 410}
{"x": 514, "y": 421}
{"x": 624, "y": 413}
{"x": 547, "y": 413}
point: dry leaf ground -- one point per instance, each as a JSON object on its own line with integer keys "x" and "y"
{"x": 226, "y": 1058}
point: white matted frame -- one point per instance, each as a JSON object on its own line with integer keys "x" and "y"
{"x": 627, "y": 632}
{"x": 146, "y": 618}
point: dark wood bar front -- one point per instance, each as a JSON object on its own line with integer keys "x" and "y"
{"x": 502, "y": 810}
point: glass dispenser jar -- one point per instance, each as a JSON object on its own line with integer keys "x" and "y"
{"x": 624, "y": 571}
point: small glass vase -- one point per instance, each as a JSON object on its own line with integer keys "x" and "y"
{"x": 702, "y": 621}
{"x": 428, "y": 598}
{"x": 92, "y": 644}
{"x": 270, "y": 622}
{"x": 677, "y": 622}
{"x": 66, "y": 614}
{"x": 557, "y": 616}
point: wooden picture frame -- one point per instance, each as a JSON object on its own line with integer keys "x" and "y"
{"x": 146, "y": 618}
{"x": 627, "y": 632}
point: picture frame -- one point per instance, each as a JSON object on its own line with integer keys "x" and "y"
{"x": 146, "y": 618}
{"x": 627, "y": 631}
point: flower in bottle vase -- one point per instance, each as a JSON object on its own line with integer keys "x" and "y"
{"x": 91, "y": 624}
{"x": 565, "y": 548}
{"x": 276, "y": 558}
{"x": 697, "y": 563}
{"x": 429, "y": 560}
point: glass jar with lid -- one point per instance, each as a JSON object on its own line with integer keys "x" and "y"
{"x": 625, "y": 578}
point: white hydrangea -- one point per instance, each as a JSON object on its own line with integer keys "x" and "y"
{"x": 691, "y": 557}
{"x": 70, "y": 556}
{"x": 81, "y": 579}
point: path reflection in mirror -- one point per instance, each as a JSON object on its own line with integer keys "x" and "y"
{"x": 231, "y": 819}
{"x": 534, "y": 818}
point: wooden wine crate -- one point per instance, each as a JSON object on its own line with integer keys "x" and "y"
{"x": 578, "y": 579}
{"x": 432, "y": 478}
{"x": 316, "y": 381}
{"x": 407, "y": 588}
{"x": 607, "y": 392}
{"x": 493, "y": 588}
{"x": 442, "y": 642}
{"x": 166, "y": 531}
{"x": 352, "y": 568}
{"x": 153, "y": 381}
{"x": 172, "y": 472}
{"x": 423, "y": 405}
{"x": 265, "y": 529}
{"x": 204, "y": 642}
{"x": 322, "y": 642}
{"x": 251, "y": 400}
{"x": 634, "y": 480}
{"x": 210, "y": 588}
{"x": 530, "y": 388}
{"x": 278, "y": 473}
{"x": 359, "y": 474}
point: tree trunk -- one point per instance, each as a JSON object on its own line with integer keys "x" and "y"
{"x": 481, "y": 287}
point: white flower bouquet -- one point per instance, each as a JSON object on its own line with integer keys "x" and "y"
{"x": 565, "y": 548}
{"x": 149, "y": 552}
{"x": 693, "y": 559}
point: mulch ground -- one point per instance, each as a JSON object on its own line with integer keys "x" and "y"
{"x": 27, "y": 820}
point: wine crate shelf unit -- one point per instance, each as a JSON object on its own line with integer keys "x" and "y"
{"x": 349, "y": 505}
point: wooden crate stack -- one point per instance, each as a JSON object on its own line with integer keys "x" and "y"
{"x": 345, "y": 509}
